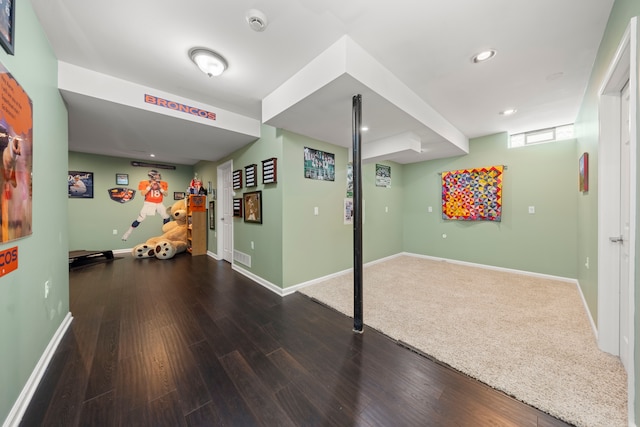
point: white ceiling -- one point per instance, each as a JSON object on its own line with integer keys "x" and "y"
{"x": 546, "y": 49}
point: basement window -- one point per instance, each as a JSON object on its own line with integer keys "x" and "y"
{"x": 541, "y": 136}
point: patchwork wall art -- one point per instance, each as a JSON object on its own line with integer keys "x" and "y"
{"x": 472, "y": 194}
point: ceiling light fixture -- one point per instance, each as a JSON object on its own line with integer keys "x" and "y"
{"x": 508, "y": 112}
{"x": 483, "y": 56}
{"x": 209, "y": 62}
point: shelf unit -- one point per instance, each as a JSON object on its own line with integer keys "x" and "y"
{"x": 197, "y": 220}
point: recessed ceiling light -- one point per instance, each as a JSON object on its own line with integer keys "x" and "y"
{"x": 364, "y": 128}
{"x": 483, "y": 56}
{"x": 508, "y": 112}
{"x": 152, "y": 155}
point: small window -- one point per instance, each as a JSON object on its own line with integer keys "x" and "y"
{"x": 541, "y": 136}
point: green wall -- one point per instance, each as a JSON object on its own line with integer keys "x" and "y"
{"x": 544, "y": 176}
{"x": 318, "y": 245}
{"x": 28, "y": 321}
{"x": 266, "y": 254}
{"x": 587, "y": 133}
{"x": 92, "y": 221}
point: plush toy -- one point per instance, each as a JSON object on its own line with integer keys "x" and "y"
{"x": 173, "y": 240}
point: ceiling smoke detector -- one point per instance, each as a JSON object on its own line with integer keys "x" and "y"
{"x": 257, "y": 20}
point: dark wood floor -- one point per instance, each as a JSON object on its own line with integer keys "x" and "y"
{"x": 189, "y": 342}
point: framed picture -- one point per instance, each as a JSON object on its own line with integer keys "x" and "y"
{"x": 583, "y": 166}
{"x": 7, "y": 24}
{"x": 122, "y": 179}
{"x": 212, "y": 215}
{"x": 270, "y": 171}
{"x": 383, "y": 176}
{"x": 319, "y": 165}
{"x": 237, "y": 208}
{"x": 250, "y": 173}
{"x": 179, "y": 195}
{"x": 253, "y": 207}
{"x": 80, "y": 185}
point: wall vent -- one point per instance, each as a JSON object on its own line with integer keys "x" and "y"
{"x": 242, "y": 258}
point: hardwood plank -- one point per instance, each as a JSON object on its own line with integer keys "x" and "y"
{"x": 253, "y": 391}
{"x": 184, "y": 371}
{"x": 104, "y": 366}
{"x": 229, "y": 404}
{"x": 99, "y": 411}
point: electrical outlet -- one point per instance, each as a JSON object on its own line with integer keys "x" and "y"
{"x": 115, "y": 232}
{"x": 252, "y": 247}
{"x": 47, "y": 287}
{"x": 315, "y": 210}
{"x": 532, "y": 209}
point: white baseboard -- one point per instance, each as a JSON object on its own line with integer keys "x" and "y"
{"x": 21, "y": 404}
{"x": 212, "y": 255}
{"x": 259, "y": 280}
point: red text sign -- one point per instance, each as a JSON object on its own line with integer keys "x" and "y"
{"x": 8, "y": 260}
{"x": 172, "y": 105}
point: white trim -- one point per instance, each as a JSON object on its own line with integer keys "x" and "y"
{"x": 259, "y": 280}
{"x": 492, "y": 267}
{"x": 21, "y": 404}
{"x": 623, "y": 67}
{"x": 212, "y": 255}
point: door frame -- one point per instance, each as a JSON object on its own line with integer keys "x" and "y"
{"x": 623, "y": 68}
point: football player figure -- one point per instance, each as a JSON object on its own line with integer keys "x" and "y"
{"x": 153, "y": 190}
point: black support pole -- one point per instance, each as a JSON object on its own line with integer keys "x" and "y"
{"x": 357, "y": 215}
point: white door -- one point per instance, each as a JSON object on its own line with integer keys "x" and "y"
{"x": 225, "y": 202}
{"x": 625, "y": 225}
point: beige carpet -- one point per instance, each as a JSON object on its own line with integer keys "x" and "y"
{"x": 529, "y": 337}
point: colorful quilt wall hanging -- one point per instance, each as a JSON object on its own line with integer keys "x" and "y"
{"x": 472, "y": 194}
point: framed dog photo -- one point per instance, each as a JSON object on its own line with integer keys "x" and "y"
{"x": 253, "y": 207}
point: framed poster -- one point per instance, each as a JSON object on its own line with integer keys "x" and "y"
{"x": 80, "y": 185}
{"x": 7, "y": 24}
{"x": 212, "y": 215}
{"x": 179, "y": 195}
{"x": 122, "y": 179}
{"x": 253, "y": 207}
{"x": 383, "y": 176}
{"x": 319, "y": 165}
{"x": 16, "y": 145}
{"x": 250, "y": 173}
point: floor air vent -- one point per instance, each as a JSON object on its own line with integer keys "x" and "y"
{"x": 242, "y": 258}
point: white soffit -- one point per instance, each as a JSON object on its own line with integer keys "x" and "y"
{"x": 406, "y": 144}
{"x": 74, "y": 79}
{"x": 317, "y": 102}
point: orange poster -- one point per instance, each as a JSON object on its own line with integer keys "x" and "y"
{"x": 16, "y": 146}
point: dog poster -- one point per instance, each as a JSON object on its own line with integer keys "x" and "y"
{"x": 16, "y": 145}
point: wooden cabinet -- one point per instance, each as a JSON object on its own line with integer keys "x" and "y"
{"x": 197, "y": 220}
